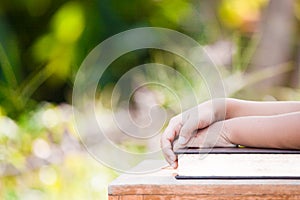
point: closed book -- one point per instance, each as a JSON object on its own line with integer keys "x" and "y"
{"x": 238, "y": 163}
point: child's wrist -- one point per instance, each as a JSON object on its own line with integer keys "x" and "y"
{"x": 219, "y": 109}
{"x": 230, "y": 107}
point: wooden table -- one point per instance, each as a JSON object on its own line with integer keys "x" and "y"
{"x": 163, "y": 185}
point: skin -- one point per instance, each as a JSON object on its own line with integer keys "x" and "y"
{"x": 228, "y": 122}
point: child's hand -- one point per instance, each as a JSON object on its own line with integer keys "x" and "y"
{"x": 216, "y": 135}
{"x": 185, "y": 124}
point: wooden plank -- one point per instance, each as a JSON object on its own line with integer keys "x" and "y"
{"x": 163, "y": 183}
{"x": 131, "y": 197}
{"x": 223, "y": 197}
{"x": 207, "y": 190}
{"x": 112, "y": 197}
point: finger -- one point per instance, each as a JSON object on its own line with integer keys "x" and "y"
{"x": 171, "y": 132}
{"x": 171, "y": 157}
{"x": 167, "y": 140}
{"x": 169, "y": 135}
{"x": 176, "y": 145}
{"x": 168, "y": 153}
{"x": 186, "y": 130}
{"x": 175, "y": 164}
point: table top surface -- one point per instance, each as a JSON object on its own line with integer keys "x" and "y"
{"x": 163, "y": 181}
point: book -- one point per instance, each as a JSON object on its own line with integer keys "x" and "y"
{"x": 238, "y": 163}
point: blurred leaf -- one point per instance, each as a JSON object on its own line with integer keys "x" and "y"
{"x": 30, "y": 85}
{"x": 68, "y": 22}
{"x": 169, "y": 13}
{"x": 7, "y": 69}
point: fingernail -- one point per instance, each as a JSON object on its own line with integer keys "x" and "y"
{"x": 181, "y": 140}
{"x": 173, "y": 165}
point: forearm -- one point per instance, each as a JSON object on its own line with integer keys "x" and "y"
{"x": 277, "y": 131}
{"x": 240, "y": 108}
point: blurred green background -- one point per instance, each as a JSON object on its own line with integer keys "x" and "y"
{"x": 255, "y": 44}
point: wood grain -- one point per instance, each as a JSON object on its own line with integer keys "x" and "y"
{"x": 131, "y": 197}
{"x": 223, "y": 197}
{"x": 111, "y": 197}
{"x": 163, "y": 185}
{"x": 207, "y": 189}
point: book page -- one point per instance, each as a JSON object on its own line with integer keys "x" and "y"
{"x": 239, "y": 165}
